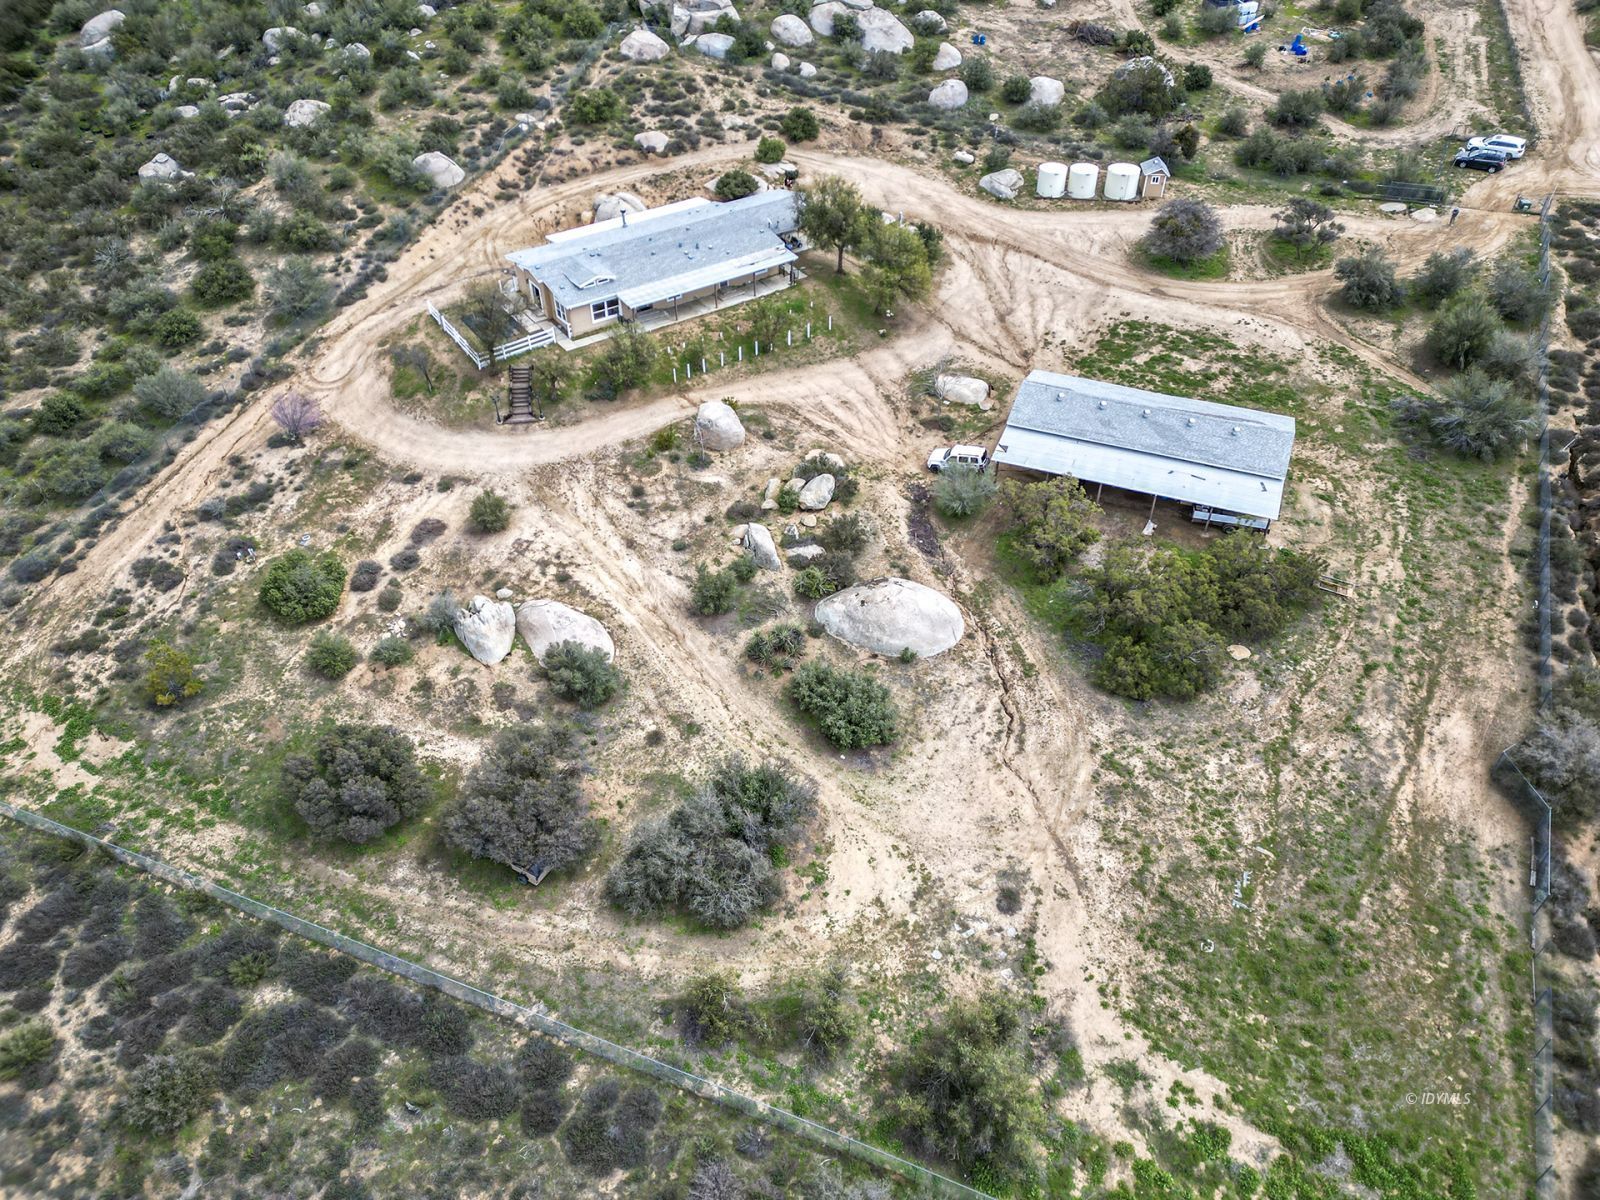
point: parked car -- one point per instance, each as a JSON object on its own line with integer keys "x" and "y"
{"x": 1511, "y": 147}
{"x": 974, "y": 457}
{"x": 1481, "y": 160}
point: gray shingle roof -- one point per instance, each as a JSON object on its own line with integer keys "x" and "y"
{"x": 586, "y": 268}
{"x": 1156, "y": 165}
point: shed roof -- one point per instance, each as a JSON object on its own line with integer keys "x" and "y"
{"x": 708, "y": 241}
{"x": 1155, "y": 166}
{"x": 1172, "y": 446}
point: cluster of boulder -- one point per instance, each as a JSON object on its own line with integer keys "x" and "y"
{"x": 1043, "y": 91}
{"x": 488, "y": 628}
{"x": 95, "y": 36}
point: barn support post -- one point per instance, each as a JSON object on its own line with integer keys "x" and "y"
{"x": 1152, "y": 515}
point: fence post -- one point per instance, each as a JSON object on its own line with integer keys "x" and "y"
{"x": 758, "y": 348}
{"x": 830, "y": 322}
{"x": 788, "y": 337}
{"x": 688, "y": 371}
{"x": 741, "y": 353}
{"x": 702, "y": 366}
{"x": 722, "y": 358}
{"x": 674, "y": 372}
{"x": 808, "y": 331}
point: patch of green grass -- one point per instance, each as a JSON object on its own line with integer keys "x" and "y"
{"x": 1215, "y": 266}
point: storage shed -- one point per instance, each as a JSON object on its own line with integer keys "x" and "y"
{"x": 1228, "y": 464}
{"x": 1153, "y": 176}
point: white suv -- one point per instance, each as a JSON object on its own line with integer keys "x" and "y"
{"x": 1511, "y": 147}
{"x": 974, "y": 458}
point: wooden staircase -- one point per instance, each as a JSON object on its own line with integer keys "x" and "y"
{"x": 521, "y": 386}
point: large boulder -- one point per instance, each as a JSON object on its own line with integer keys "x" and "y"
{"x": 962, "y": 389}
{"x": 304, "y": 112}
{"x": 781, "y": 61}
{"x": 713, "y": 45}
{"x": 486, "y": 628}
{"x": 651, "y": 141}
{"x": 882, "y": 30}
{"x": 274, "y": 38}
{"x": 103, "y": 49}
{"x": 717, "y": 426}
{"x": 162, "y": 166}
{"x": 948, "y": 58}
{"x": 704, "y": 14}
{"x": 186, "y": 112}
{"x": 99, "y": 28}
{"x": 950, "y": 94}
{"x": 1002, "y": 185}
{"x": 814, "y": 496}
{"x": 790, "y": 30}
{"x": 929, "y": 22}
{"x": 822, "y": 16}
{"x": 807, "y": 70}
{"x": 758, "y": 540}
{"x": 356, "y": 50}
{"x": 643, "y": 46}
{"x": 1045, "y": 92}
{"x": 608, "y": 206}
{"x": 891, "y": 615}
{"x": 544, "y": 624}
{"x": 441, "y": 170}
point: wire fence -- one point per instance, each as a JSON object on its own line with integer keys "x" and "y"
{"x": 579, "y": 1039}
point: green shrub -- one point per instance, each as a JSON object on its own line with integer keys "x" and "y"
{"x": 770, "y": 150}
{"x": 223, "y": 282}
{"x": 594, "y": 106}
{"x": 735, "y": 185}
{"x": 170, "y": 393}
{"x": 300, "y": 586}
{"x": 849, "y": 708}
{"x": 393, "y": 652}
{"x": 1474, "y": 415}
{"x": 490, "y": 512}
{"x": 712, "y": 592}
{"x": 166, "y": 1092}
{"x": 24, "y": 1046}
{"x": 776, "y": 647}
{"x": 1016, "y": 89}
{"x": 1368, "y": 280}
{"x": 358, "y": 782}
{"x": 799, "y": 124}
{"x": 1051, "y": 520}
{"x": 963, "y": 492}
{"x": 176, "y": 328}
{"x": 169, "y": 675}
{"x": 1464, "y": 330}
{"x": 1197, "y": 76}
{"x": 331, "y": 655}
{"x": 583, "y": 674}
{"x": 977, "y": 73}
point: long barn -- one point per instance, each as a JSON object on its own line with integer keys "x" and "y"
{"x": 1228, "y": 464}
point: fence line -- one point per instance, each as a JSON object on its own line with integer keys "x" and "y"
{"x": 579, "y": 1039}
{"x": 478, "y": 360}
{"x": 688, "y": 368}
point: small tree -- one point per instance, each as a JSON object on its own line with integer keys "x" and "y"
{"x": 850, "y": 708}
{"x": 626, "y": 362}
{"x": 799, "y": 124}
{"x": 300, "y": 586}
{"x": 1298, "y": 109}
{"x": 712, "y": 592}
{"x": 1307, "y": 225}
{"x": 770, "y": 150}
{"x": 490, "y": 512}
{"x": 1515, "y": 291}
{"x": 523, "y": 806}
{"x": 832, "y": 215}
{"x": 1368, "y": 280}
{"x": 550, "y": 376}
{"x": 1443, "y": 275}
{"x": 1141, "y": 86}
{"x": 594, "y": 106}
{"x": 896, "y": 266}
{"x": 963, "y": 492}
{"x": 170, "y": 393}
{"x": 359, "y": 781}
{"x": 1184, "y": 231}
{"x": 169, "y": 675}
{"x": 330, "y": 655}
{"x": 1051, "y": 519}
{"x": 1474, "y": 415}
{"x": 1464, "y": 330}
{"x": 417, "y": 358}
{"x": 166, "y": 1091}
{"x": 735, "y": 185}
{"x": 583, "y": 674}
{"x": 297, "y": 414}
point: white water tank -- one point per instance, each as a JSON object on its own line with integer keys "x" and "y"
{"x": 1082, "y": 179}
{"x": 1052, "y": 183}
{"x": 1122, "y": 182}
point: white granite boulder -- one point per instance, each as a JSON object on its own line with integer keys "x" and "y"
{"x": 304, "y": 112}
{"x": 962, "y": 389}
{"x": 929, "y": 22}
{"x": 781, "y": 61}
{"x": 701, "y": 15}
{"x": 1002, "y": 185}
{"x": 891, "y": 615}
{"x": 950, "y": 94}
{"x": 608, "y": 206}
{"x": 822, "y": 16}
{"x": 948, "y": 58}
{"x": 758, "y": 540}
{"x": 356, "y": 50}
{"x": 643, "y": 46}
{"x": 807, "y": 70}
{"x": 163, "y": 166}
{"x": 427, "y": 11}
{"x": 790, "y": 30}
{"x": 651, "y": 141}
{"x": 441, "y": 170}
{"x": 99, "y": 28}
{"x": 1045, "y": 91}
{"x": 486, "y": 628}
{"x": 103, "y": 49}
{"x": 965, "y": 157}
{"x": 801, "y": 555}
{"x": 186, "y": 112}
{"x": 814, "y": 496}
{"x": 717, "y": 426}
{"x": 713, "y": 45}
{"x": 881, "y": 30}
{"x": 545, "y": 624}
{"x": 275, "y": 38}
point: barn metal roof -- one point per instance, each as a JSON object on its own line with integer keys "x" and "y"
{"x": 710, "y": 241}
{"x": 1171, "y": 446}
{"x": 702, "y": 277}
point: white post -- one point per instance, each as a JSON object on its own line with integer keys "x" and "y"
{"x": 808, "y": 331}
{"x": 674, "y": 374}
{"x": 702, "y": 366}
{"x": 741, "y": 353}
{"x": 830, "y": 322}
{"x": 722, "y": 358}
{"x": 688, "y": 371}
{"x": 758, "y": 349}
{"x": 788, "y": 335}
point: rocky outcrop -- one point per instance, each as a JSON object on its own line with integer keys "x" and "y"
{"x": 98, "y": 28}
{"x": 643, "y": 46}
{"x": 883, "y": 31}
{"x": 790, "y": 30}
{"x": 697, "y": 16}
{"x": 486, "y": 628}
{"x": 651, "y": 141}
{"x": 356, "y": 50}
{"x": 807, "y": 70}
{"x": 162, "y": 166}
{"x": 951, "y": 94}
{"x": 801, "y": 555}
{"x": 814, "y": 496}
{"x": 545, "y": 624}
{"x": 964, "y": 157}
{"x": 1045, "y": 92}
{"x": 962, "y": 389}
{"x": 717, "y": 427}
{"x": 274, "y": 38}
{"x": 758, "y": 540}
{"x": 891, "y": 615}
{"x": 929, "y": 22}
{"x": 441, "y": 170}
{"x": 781, "y": 61}
{"x": 1002, "y": 185}
{"x": 304, "y": 112}
{"x": 713, "y": 45}
{"x": 948, "y": 58}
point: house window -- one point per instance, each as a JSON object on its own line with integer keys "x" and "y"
{"x": 561, "y": 312}
{"x": 604, "y": 310}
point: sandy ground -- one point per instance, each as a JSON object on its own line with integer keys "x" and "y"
{"x": 1020, "y": 287}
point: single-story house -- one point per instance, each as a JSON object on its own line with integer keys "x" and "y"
{"x": 1153, "y": 176}
{"x": 1228, "y": 464}
{"x": 663, "y": 257}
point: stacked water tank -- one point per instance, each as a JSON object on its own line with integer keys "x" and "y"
{"x": 1052, "y": 183}
{"x": 1122, "y": 182}
{"x": 1082, "y": 180}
